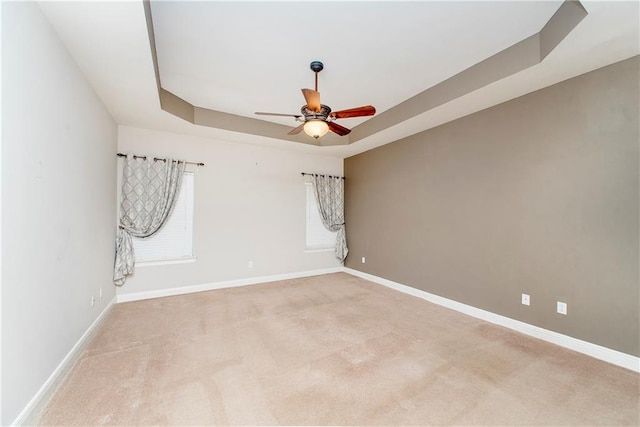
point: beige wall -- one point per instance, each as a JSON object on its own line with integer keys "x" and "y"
{"x": 538, "y": 195}
{"x": 58, "y": 204}
{"x": 249, "y": 206}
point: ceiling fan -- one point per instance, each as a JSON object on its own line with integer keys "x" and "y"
{"x": 318, "y": 119}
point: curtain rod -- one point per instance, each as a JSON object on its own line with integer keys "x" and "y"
{"x": 155, "y": 159}
{"x": 317, "y": 174}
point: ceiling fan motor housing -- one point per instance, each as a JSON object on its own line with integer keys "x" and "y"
{"x": 309, "y": 114}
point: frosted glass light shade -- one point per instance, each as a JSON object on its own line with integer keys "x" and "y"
{"x": 316, "y": 128}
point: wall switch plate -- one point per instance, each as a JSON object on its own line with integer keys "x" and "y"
{"x": 100, "y": 292}
{"x": 526, "y": 299}
{"x": 250, "y": 264}
{"x": 363, "y": 260}
{"x": 93, "y": 301}
{"x": 562, "y": 307}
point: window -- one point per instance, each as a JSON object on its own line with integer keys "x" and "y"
{"x": 174, "y": 241}
{"x": 318, "y": 237}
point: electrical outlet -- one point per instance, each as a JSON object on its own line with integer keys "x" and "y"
{"x": 93, "y": 301}
{"x": 526, "y": 299}
{"x": 363, "y": 260}
{"x": 250, "y": 265}
{"x": 562, "y": 307}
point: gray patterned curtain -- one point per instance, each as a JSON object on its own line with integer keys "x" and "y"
{"x": 149, "y": 191}
{"x": 329, "y": 193}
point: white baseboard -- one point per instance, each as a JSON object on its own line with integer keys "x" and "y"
{"x": 49, "y": 386}
{"x": 136, "y": 296}
{"x": 597, "y": 351}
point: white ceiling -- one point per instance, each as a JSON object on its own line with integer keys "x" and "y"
{"x": 241, "y": 57}
{"x": 376, "y": 53}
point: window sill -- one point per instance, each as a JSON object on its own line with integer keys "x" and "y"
{"x": 312, "y": 251}
{"x": 166, "y": 262}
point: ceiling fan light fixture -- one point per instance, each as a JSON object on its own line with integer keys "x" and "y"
{"x": 316, "y": 128}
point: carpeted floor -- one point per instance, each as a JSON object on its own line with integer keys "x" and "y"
{"x": 331, "y": 349}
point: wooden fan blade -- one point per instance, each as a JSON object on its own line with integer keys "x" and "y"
{"x": 313, "y": 99}
{"x": 297, "y": 130}
{"x": 367, "y": 110}
{"x": 278, "y": 114}
{"x": 336, "y": 128}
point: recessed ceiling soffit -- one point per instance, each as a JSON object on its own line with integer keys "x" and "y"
{"x": 524, "y": 54}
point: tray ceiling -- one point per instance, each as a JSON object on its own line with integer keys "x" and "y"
{"x": 241, "y": 57}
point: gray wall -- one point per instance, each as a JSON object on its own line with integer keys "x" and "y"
{"x": 249, "y": 207}
{"x": 538, "y": 195}
{"x": 58, "y": 204}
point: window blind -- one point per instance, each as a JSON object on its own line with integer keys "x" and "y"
{"x": 175, "y": 239}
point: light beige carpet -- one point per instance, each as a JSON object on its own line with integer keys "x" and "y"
{"x": 331, "y": 349}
